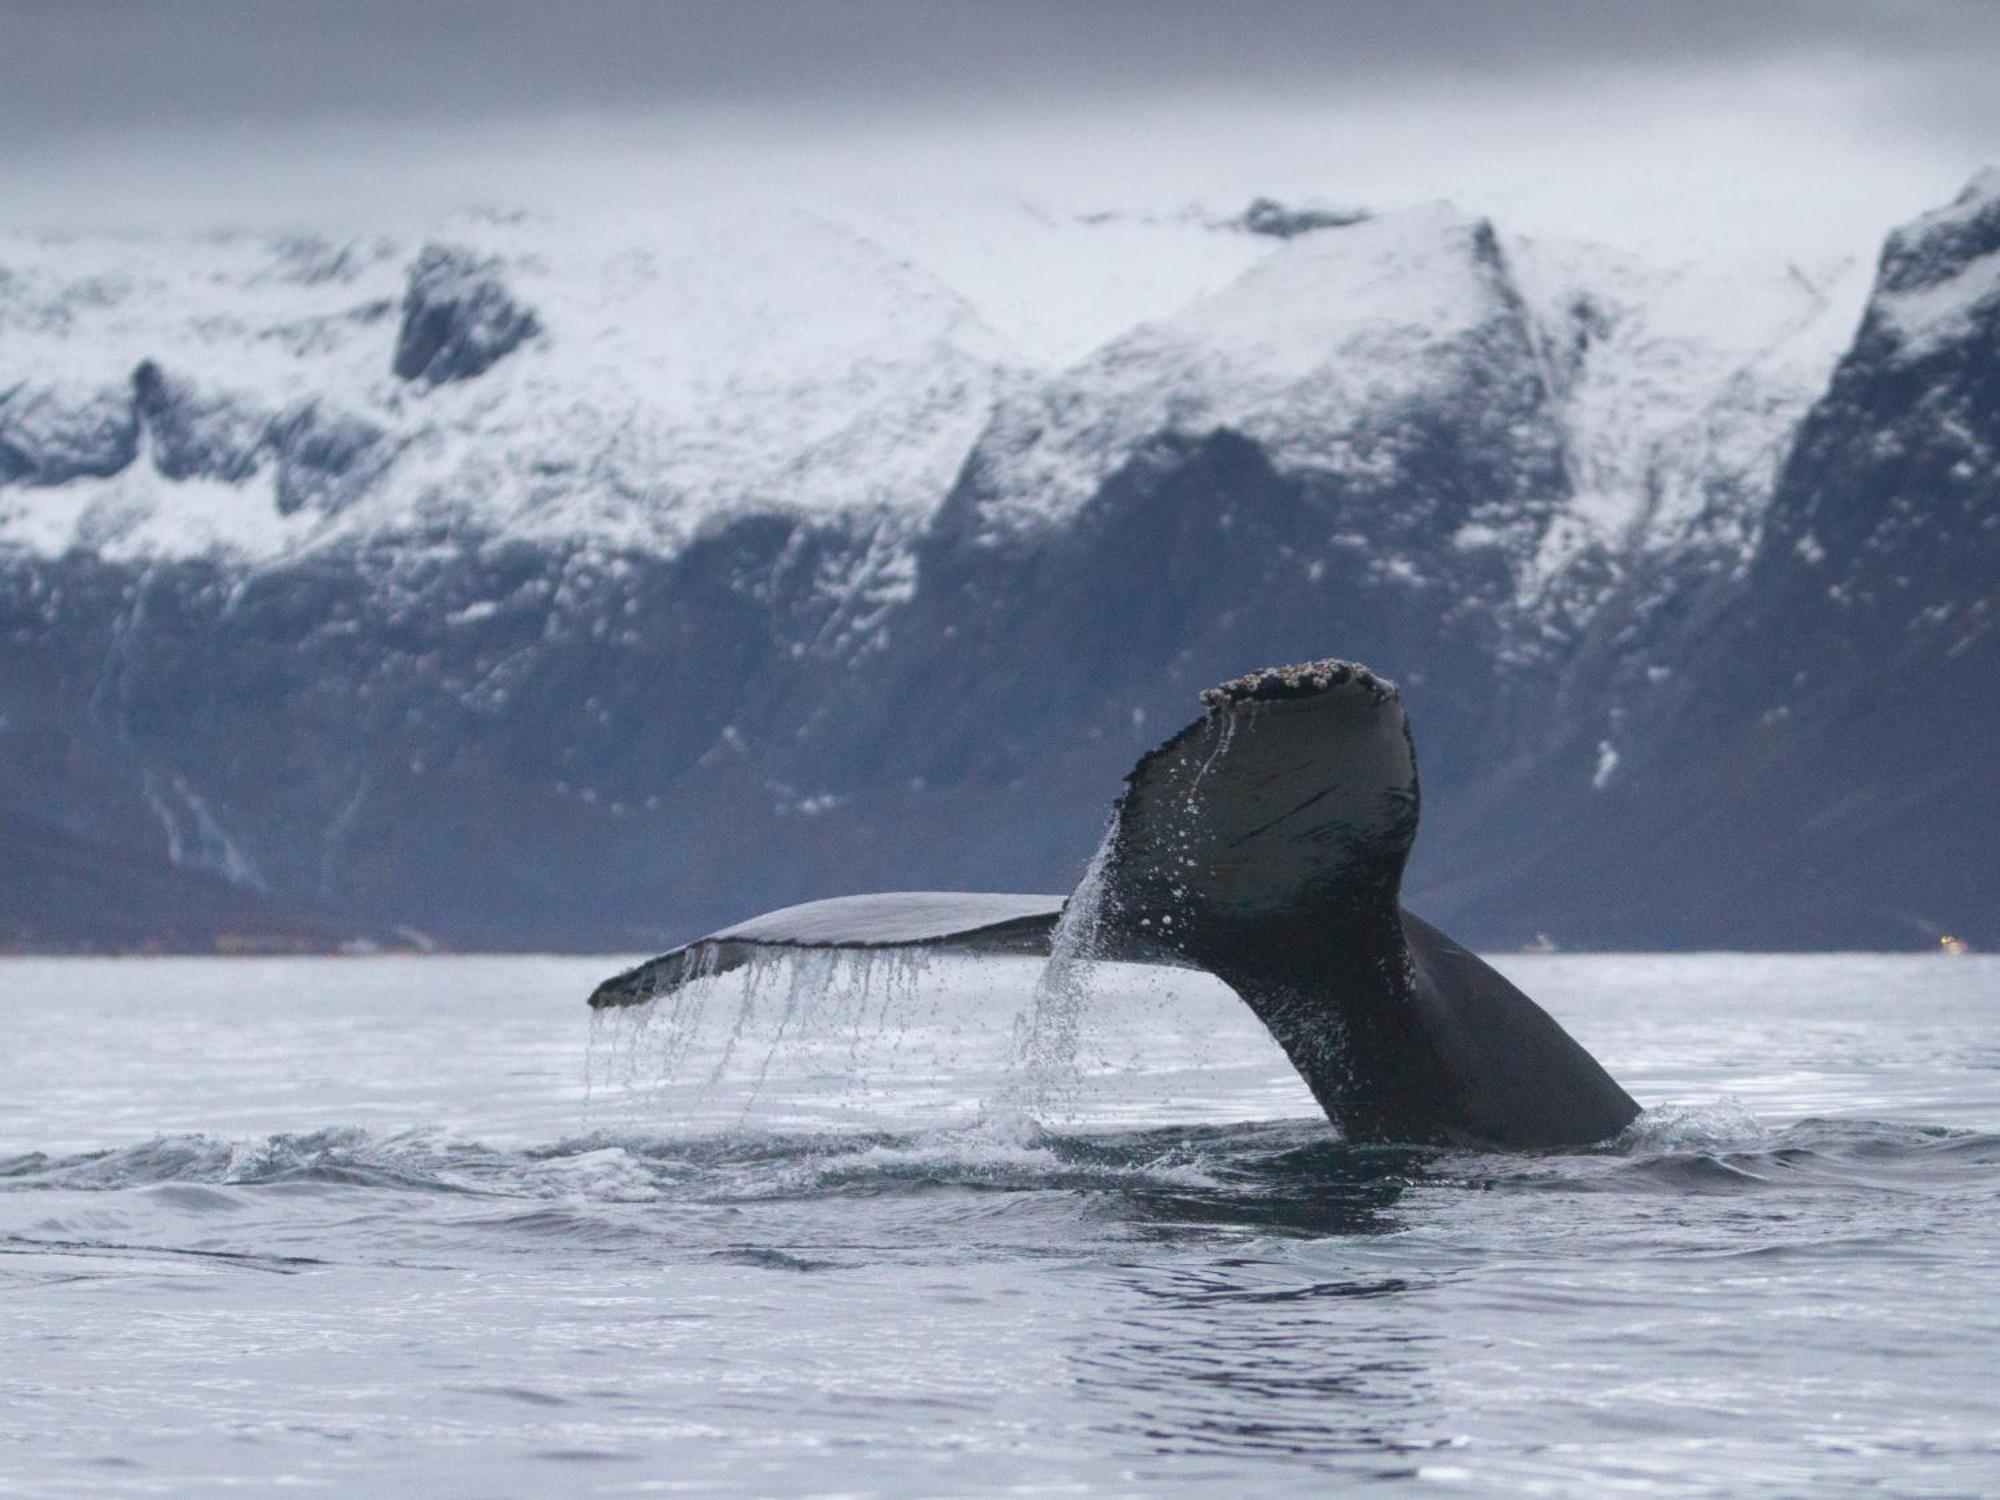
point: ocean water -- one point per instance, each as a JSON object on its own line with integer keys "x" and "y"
{"x": 427, "y": 1227}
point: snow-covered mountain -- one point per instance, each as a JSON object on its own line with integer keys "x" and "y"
{"x": 542, "y": 583}
{"x": 546, "y": 382}
{"x": 506, "y": 378}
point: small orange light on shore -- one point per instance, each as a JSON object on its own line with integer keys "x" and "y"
{"x": 1955, "y": 946}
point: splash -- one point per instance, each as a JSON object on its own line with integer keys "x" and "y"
{"x": 1719, "y": 1124}
{"x": 1047, "y": 1081}
{"x": 650, "y": 1041}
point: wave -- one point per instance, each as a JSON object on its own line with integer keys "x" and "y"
{"x": 1721, "y": 1147}
{"x": 1266, "y": 1170}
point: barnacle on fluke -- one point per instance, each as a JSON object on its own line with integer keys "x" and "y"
{"x": 1300, "y": 680}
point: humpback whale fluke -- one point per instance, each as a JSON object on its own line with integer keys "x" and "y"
{"x": 1265, "y": 843}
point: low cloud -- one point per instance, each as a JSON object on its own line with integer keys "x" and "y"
{"x": 1780, "y": 124}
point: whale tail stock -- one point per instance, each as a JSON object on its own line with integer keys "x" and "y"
{"x": 1265, "y": 843}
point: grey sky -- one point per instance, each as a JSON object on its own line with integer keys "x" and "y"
{"x": 106, "y": 65}
{"x": 260, "y": 110}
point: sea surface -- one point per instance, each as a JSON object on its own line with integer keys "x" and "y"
{"x": 428, "y": 1227}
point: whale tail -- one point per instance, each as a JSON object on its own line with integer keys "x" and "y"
{"x": 1265, "y": 843}
{"x": 976, "y": 922}
{"x": 1297, "y": 789}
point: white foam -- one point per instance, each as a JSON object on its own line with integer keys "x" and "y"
{"x": 1722, "y": 1123}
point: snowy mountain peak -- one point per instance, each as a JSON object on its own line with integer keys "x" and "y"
{"x": 516, "y": 375}
{"x": 1390, "y": 284}
{"x": 1941, "y": 271}
{"x": 1311, "y": 352}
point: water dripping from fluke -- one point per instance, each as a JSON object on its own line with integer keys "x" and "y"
{"x": 709, "y": 1052}
{"x": 1046, "y": 1084}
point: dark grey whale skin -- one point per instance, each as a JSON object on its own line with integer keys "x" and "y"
{"x": 1265, "y": 843}
{"x": 1273, "y": 833}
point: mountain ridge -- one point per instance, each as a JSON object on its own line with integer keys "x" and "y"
{"x": 500, "y": 650}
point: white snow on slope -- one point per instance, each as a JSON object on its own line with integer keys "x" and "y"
{"x": 1059, "y": 284}
{"x": 786, "y": 361}
{"x": 780, "y": 363}
{"x": 1324, "y": 334}
{"x": 1678, "y": 389}
{"x": 1675, "y": 388}
{"x": 774, "y": 363}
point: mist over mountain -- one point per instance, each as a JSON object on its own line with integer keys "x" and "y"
{"x": 530, "y": 585}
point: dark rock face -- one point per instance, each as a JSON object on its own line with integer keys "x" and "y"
{"x": 1935, "y": 249}
{"x": 326, "y": 458}
{"x": 498, "y": 744}
{"x": 1868, "y": 640}
{"x": 1819, "y": 768}
{"x": 508, "y": 745}
{"x": 50, "y": 437}
{"x": 62, "y": 892}
{"x": 1280, "y": 221}
{"x": 196, "y": 434}
{"x": 458, "y": 317}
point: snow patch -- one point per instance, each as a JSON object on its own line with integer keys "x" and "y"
{"x": 1678, "y": 388}
{"x": 1607, "y": 763}
{"x": 1937, "y": 316}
